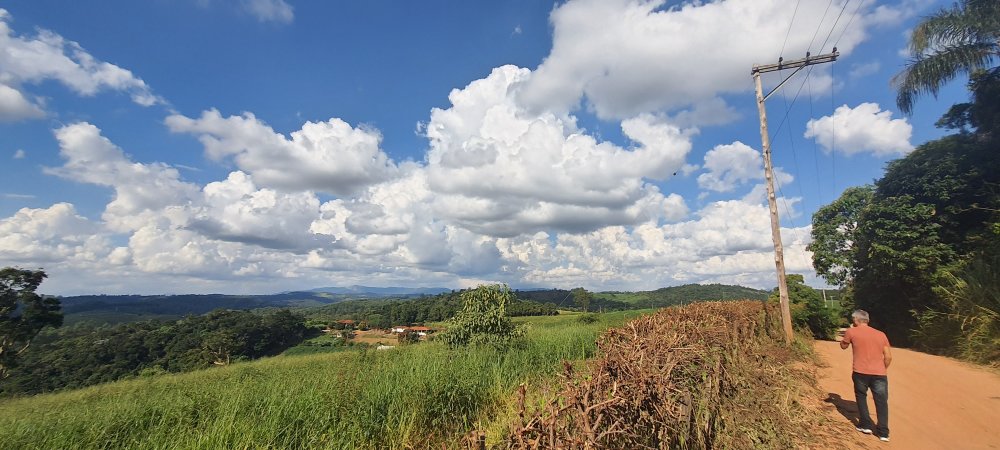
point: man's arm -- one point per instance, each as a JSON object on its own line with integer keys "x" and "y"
{"x": 886, "y": 356}
{"x": 846, "y": 340}
{"x": 844, "y": 344}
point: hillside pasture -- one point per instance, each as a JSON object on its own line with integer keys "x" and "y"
{"x": 418, "y": 395}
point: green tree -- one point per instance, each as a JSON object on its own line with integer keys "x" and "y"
{"x": 379, "y": 321}
{"x": 900, "y": 254}
{"x": 582, "y": 298}
{"x": 23, "y": 313}
{"x": 962, "y": 39}
{"x": 220, "y": 346}
{"x": 982, "y": 114}
{"x": 834, "y": 233}
{"x": 407, "y": 337}
{"x": 483, "y": 318}
{"x": 808, "y": 309}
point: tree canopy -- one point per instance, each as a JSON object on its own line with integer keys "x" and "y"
{"x": 808, "y": 309}
{"x": 962, "y": 39}
{"x": 483, "y": 318}
{"x": 84, "y": 355}
{"x": 23, "y": 313}
{"x": 920, "y": 227}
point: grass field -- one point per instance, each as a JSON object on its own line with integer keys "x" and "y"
{"x": 415, "y": 395}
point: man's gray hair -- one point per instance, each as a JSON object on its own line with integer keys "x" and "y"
{"x": 860, "y": 314}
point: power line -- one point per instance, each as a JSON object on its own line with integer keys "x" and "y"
{"x": 849, "y": 22}
{"x": 835, "y": 22}
{"x": 794, "y": 98}
{"x": 820, "y": 25}
{"x": 819, "y": 185}
{"x": 833, "y": 140}
{"x": 794, "y": 12}
{"x": 784, "y": 199}
{"x": 791, "y": 144}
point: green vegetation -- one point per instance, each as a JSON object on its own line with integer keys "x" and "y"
{"x": 582, "y": 298}
{"x": 710, "y": 375}
{"x": 418, "y": 395}
{"x": 323, "y": 343}
{"x": 115, "y": 309}
{"x": 81, "y": 356}
{"x": 809, "y": 311}
{"x": 919, "y": 248}
{"x": 391, "y": 312}
{"x": 962, "y": 39}
{"x": 683, "y": 295}
{"x": 23, "y": 314}
{"x": 967, "y": 323}
{"x": 483, "y": 319}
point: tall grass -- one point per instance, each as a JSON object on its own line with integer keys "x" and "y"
{"x": 417, "y": 395}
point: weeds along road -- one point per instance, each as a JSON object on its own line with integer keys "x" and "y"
{"x": 934, "y": 402}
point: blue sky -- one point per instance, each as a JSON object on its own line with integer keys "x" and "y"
{"x": 269, "y": 145}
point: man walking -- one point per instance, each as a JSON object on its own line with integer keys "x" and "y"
{"x": 872, "y": 357}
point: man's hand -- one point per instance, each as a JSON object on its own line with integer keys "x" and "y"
{"x": 844, "y": 345}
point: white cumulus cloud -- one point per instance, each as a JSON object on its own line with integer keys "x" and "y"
{"x": 49, "y": 235}
{"x": 625, "y": 57}
{"x": 46, "y": 56}
{"x": 329, "y": 156}
{"x": 864, "y": 128}
{"x": 14, "y": 106}
{"x": 501, "y": 170}
{"x": 142, "y": 192}
{"x": 730, "y": 166}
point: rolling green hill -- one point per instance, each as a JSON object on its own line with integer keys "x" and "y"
{"x": 418, "y": 395}
{"x": 682, "y": 295}
{"x": 113, "y": 309}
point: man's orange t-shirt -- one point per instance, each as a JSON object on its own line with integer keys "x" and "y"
{"x": 867, "y": 344}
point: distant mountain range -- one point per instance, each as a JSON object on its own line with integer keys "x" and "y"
{"x": 381, "y": 291}
{"x": 110, "y": 309}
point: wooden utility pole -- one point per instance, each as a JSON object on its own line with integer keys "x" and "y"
{"x": 779, "y": 258}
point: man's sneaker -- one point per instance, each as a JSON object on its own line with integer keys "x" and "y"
{"x": 863, "y": 430}
{"x": 884, "y": 438}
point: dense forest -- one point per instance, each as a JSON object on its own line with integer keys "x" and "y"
{"x": 78, "y": 356}
{"x": 684, "y": 294}
{"x": 919, "y": 249}
{"x": 112, "y": 309}
{"x": 390, "y": 312}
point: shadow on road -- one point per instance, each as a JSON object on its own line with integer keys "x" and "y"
{"x": 846, "y": 408}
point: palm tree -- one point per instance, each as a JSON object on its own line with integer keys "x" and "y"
{"x": 962, "y": 39}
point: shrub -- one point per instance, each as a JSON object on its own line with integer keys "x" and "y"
{"x": 588, "y": 318}
{"x": 967, "y": 324}
{"x": 483, "y": 319}
{"x": 408, "y": 337}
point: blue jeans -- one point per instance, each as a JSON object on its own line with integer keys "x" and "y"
{"x": 879, "y": 385}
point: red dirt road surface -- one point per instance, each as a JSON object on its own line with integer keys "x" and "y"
{"x": 934, "y": 402}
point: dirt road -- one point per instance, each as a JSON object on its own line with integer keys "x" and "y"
{"x": 934, "y": 402}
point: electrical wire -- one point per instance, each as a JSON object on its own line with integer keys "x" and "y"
{"x": 787, "y": 32}
{"x": 795, "y": 158}
{"x": 833, "y": 139}
{"x": 819, "y": 186}
{"x": 788, "y": 210}
{"x": 834, "y": 27}
{"x": 820, "y": 25}
{"x": 849, "y": 22}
